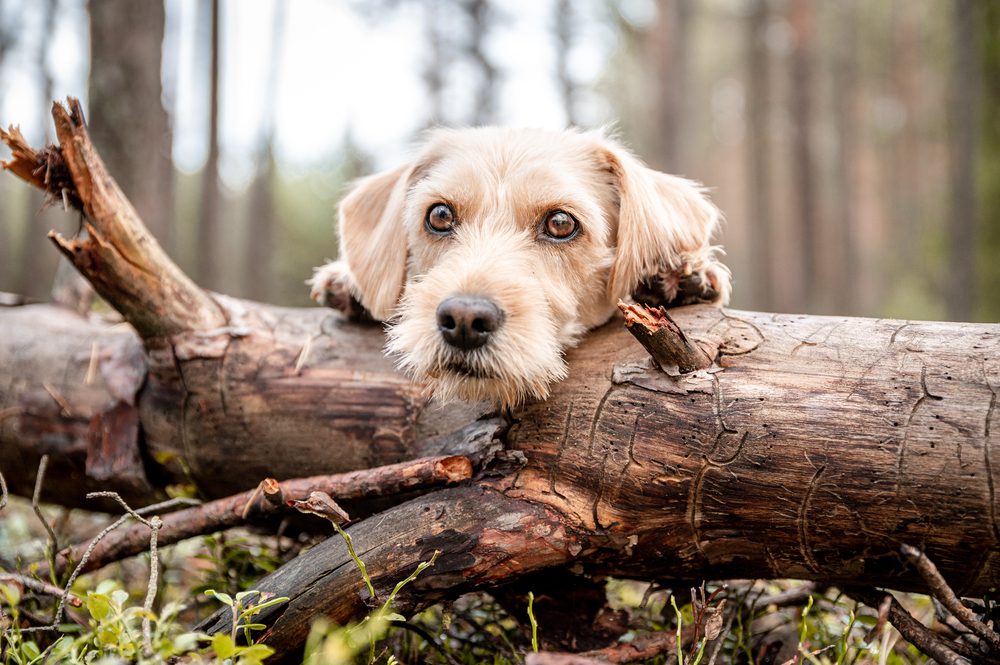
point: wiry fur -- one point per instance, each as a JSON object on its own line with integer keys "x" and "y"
{"x": 638, "y": 227}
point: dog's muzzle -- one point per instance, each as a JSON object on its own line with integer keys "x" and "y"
{"x": 467, "y": 322}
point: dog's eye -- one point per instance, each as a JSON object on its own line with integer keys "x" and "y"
{"x": 440, "y": 219}
{"x": 560, "y": 225}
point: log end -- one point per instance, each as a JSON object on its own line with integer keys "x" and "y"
{"x": 453, "y": 469}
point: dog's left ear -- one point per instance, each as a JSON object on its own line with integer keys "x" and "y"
{"x": 372, "y": 241}
{"x": 664, "y": 231}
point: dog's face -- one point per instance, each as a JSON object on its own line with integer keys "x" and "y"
{"x": 496, "y": 249}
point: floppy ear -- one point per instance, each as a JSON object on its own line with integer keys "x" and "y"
{"x": 372, "y": 242}
{"x": 665, "y": 225}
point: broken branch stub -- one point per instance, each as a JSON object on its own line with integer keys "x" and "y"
{"x": 663, "y": 339}
{"x": 118, "y": 255}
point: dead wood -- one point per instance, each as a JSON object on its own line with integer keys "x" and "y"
{"x": 117, "y": 255}
{"x": 663, "y": 339}
{"x": 942, "y": 651}
{"x": 255, "y": 506}
{"x": 809, "y": 447}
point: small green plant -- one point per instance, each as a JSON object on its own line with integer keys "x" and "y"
{"x": 113, "y": 632}
{"x": 334, "y": 645}
{"x": 243, "y": 612}
{"x": 531, "y": 619}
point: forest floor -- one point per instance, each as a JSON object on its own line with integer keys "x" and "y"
{"x": 779, "y": 622}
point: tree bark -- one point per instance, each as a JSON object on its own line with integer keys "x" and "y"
{"x": 811, "y": 447}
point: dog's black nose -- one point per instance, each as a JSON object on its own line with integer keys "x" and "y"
{"x": 466, "y": 322}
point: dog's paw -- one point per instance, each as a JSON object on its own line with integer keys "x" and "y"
{"x": 705, "y": 282}
{"x": 332, "y": 286}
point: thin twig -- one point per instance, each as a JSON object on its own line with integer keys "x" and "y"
{"x": 50, "y": 554}
{"x": 943, "y": 592}
{"x": 170, "y": 503}
{"x": 913, "y": 631}
{"x": 154, "y": 575}
{"x": 58, "y": 399}
{"x": 121, "y": 502}
{"x": 38, "y": 585}
{"x": 92, "y": 366}
{"x": 3, "y": 491}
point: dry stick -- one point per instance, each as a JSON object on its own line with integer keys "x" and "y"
{"x": 43, "y": 587}
{"x": 170, "y": 503}
{"x": 240, "y": 508}
{"x": 154, "y": 576}
{"x": 663, "y": 339}
{"x": 913, "y": 631}
{"x": 3, "y": 491}
{"x": 153, "y": 525}
{"x": 556, "y": 658}
{"x": 939, "y": 589}
{"x": 39, "y": 481}
{"x": 643, "y": 647}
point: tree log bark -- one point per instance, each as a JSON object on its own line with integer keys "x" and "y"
{"x": 811, "y": 447}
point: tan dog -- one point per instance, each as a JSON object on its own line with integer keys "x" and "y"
{"x": 496, "y": 249}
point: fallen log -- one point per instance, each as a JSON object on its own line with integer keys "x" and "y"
{"x": 809, "y": 447}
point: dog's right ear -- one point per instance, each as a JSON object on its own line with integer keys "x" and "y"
{"x": 372, "y": 241}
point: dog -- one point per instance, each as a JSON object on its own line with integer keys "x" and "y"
{"x": 496, "y": 249}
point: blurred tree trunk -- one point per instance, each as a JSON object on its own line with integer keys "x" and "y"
{"x": 669, "y": 53}
{"x": 7, "y": 32}
{"x": 206, "y": 266}
{"x": 963, "y": 112}
{"x": 759, "y": 153}
{"x": 845, "y": 99}
{"x": 433, "y": 72}
{"x": 802, "y": 16}
{"x": 127, "y": 117}
{"x": 257, "y": 268}
{"x": 988, "y": 306}
{"x": 908, "y": 198}
{"x": 481, "y": 16}
{"x": 37, "y": 265}
{"x": 564, "y": 30}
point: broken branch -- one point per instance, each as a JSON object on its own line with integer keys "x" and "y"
{"x": 117, "y": 254}
{"x": 940, "y": 589}
{"x": 916, "y": 633}
{"x": 663, "y": 339}
{"x": 247, "y": 507}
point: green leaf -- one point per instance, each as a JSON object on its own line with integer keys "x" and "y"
{"x": 11, "y": 594}
{"x": 221, "y": 597}
{"x": 98, "y": 605}
{"x": 119, "y": 597}
{"x": 106, "y": 586}
{"x": 223, "y": 645}
{"x": 269, "y": 603}
{"x": 30, "y": 650}
{"x": 257, "y": 652}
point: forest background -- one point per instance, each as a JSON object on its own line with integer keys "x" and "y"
{"x": 853, "y": 146}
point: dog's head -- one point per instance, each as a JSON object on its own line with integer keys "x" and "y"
{"x": 495, "y": 249}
